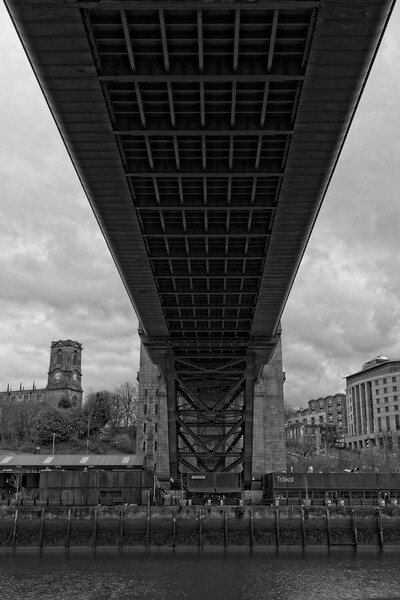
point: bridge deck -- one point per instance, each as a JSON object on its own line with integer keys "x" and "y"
{"x": 205, "y": 134}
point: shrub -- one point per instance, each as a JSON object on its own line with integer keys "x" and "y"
{"x": 51, "y": 421}
{"x": 123, "y": 443}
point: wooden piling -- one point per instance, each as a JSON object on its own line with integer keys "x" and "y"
{"x": 121, "y": 530}
{"x": 277, "y": 527}
{"x": 251, "y": 528}
{"x": 200, "y": 515}
{"x": 379, "y": 527}
{"x": 354, "y": 528}
{"x": 68, "y": 540}
{"x": 328, "y": 528}
{"x": 174, "y": 528}
{"x": 94, "y": 540}
{"x": 15, "y": 525}
{"x": 41, "y": 530}
{"x": 303, "y": 530}
{"x": 148, "y": 527}
{"x": 225, "y": 529}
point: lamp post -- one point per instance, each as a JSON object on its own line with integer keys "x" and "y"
{"x": 54, "y": 442}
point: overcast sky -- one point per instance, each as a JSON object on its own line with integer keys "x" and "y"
{"x": 58, "y": 281}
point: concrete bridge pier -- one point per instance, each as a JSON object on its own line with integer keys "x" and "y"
{"x": 259, "y": 433}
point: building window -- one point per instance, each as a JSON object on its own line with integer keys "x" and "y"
{"x": 376, "y": 381}
{"x": 59, "y": 357}
{"x": 386, "y": 409}
{"x": 321, "y": 404}
{"x": 378, "y": 400}
{"x": 394, "y": 378}
{"x": 385, "y": 390}
{"x": 144, "y": 427}
{"x": 144, "y": 446}
{"x": 145, "y": 409}
{"x": 395, "y": 388}
{"x": 378, "y": 410}
{"x": 156, "y": 391}
{"x": 384, "y": 380}
{"x": 156, "y": 407}
{"x": 155, "y": 428}
{"x": 75, "y": 359}
{"x": 145, "y": 392}
{"x": 395, "y": 398}
{"x": 388, "y": 423}
{"x": 386, "y": 399}
{"x": 376, "y": 392}
{"x": 397, "y": 417}
{"x": 396, "y": 407}
{"x": 155, "y": 446}
{"x": 379, "y": 424}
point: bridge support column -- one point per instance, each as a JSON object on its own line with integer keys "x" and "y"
{"x": 152, "y": 420}
{"x": 172, "y": 416}
{"x": 269, "y": 444}
{"x": 248, "y": 421}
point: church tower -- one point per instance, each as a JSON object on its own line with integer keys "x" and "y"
{"x": 64, "y": 378}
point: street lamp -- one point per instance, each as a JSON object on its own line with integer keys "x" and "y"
{"x": 54, "y": 442}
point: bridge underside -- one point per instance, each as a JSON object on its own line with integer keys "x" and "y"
{"x": 205, "y": 133}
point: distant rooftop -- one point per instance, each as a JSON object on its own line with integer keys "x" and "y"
{"x": 71, "y": 461}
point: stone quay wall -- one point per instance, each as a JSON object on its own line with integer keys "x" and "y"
{"x": 199, "y": 527}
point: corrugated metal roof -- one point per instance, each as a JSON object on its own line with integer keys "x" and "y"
{"x": 71, "y": 461}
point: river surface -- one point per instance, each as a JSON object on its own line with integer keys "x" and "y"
{"x": 199, "y": 576}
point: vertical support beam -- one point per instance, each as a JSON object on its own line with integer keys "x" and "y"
{"x": 68, "y": 538}
{"x": 379, "y": 527}
{"x": 328, "y": 528}
{"x": 200, "y": 516}
{"x": 172, "y": 417}
{"x": 41, "y": 530}
{"x": 173, "y": 528}
{"x": 303, "y": 529}
{"x": 148, "y": 528}
{"x": 251, "y": 529}
{"x": 121, "y": 530}
{"x": 248, "y": 421}
{"x": 277, "y": 528}
{"x": 94, "y": 541}
{"x": 354, "y": 528}
{"x": 226, "y": 533}
{"x": 15, "y": 527}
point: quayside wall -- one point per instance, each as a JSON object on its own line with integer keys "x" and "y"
{"x": 201, "y": 527}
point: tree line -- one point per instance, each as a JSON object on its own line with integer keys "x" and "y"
{"x": 109, "y": 415}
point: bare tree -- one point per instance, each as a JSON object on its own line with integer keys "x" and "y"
{"x": 126, "y": 403}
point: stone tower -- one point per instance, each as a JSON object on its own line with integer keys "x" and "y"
{"x": 64, "y": 377}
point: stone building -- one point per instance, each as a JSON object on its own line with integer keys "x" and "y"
{"x": 372, "y": 399}
{"x": 329, "y": 410}
{"x": 64, "y": 378}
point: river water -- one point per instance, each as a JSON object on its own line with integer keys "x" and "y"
{"x": 183, "y": 575}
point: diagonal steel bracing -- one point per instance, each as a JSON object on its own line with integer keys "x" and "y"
{"x": 209, "y": 425}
